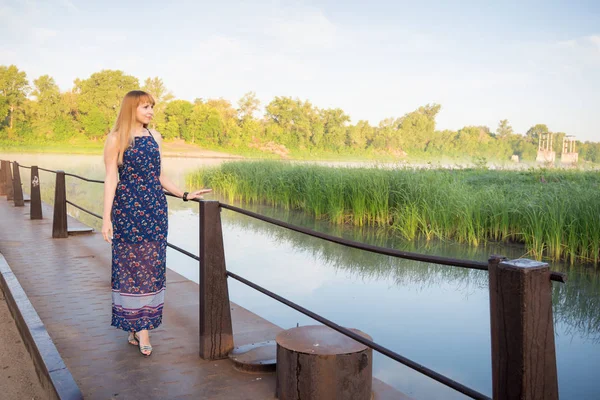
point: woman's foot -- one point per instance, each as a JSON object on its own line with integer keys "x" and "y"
{"x": 131, "y": 339}
{"x": 144, "y": 342}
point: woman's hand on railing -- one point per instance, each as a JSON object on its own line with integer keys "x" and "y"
{"x": 198, "y": 194}
{"x": 107, "y": 230}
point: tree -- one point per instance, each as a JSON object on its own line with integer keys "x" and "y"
{"x": 430, "y": 110}
{"x": 100, "y": 97}
{"x": 360, "y": 135}
{"x": 229, "y": 129}
{"x": 14, "y": 88}
{"x": 334, "y": 128}
{"x": 177, "y": 117}
{"x": 504, "y": 129}
{"x": 297, "y": 123}
{"x": 48, "y": 98}
{"x": 162, "y": 96}
{"x": 51, "y": 114}
{"x": 535, "y": 131}
{"x": 248, "y": 105}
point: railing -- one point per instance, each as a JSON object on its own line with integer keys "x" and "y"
{"x": 522, "y": 330}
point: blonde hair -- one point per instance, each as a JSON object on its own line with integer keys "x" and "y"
{"x": 126, "y": 120}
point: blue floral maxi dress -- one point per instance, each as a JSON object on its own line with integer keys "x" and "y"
{"x": 140, "y": 223}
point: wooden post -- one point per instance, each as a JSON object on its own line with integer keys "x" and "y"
{"x": 315, "y": 362}
{"x": 8, "y": 182}
{"x": 35, "y": 206}
{"x": 522, "y": 330}
{"x": 2, "y": 178}
{"x": 17, "y": 187}
{"x": 216, "y": 332}
{"x": 59, "y": 222}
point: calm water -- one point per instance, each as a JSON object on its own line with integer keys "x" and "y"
{"x": 437, "y": 316}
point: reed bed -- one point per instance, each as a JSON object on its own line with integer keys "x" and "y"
{"x": 554, "y": 213}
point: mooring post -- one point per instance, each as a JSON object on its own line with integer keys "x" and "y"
{"x": 8, "y": 182}
{"x": 59, "y": 222}
{"x": 35, "y": 205}
{"x": 2, "y": 178}
{"x": 315, "y": 362}
{"x": 522, "y": 330}
{"x": 17, "y": 186}
{"x": 216, "y": 332}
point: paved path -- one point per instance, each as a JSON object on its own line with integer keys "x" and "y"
{"x": 68, "y": 283}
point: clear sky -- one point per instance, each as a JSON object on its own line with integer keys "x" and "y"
{"x": 526, "y": 61}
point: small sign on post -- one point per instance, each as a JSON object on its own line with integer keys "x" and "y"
{"x": 36, "y": 200}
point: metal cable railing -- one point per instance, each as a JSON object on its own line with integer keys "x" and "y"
{"x": 84, "y": 179}
{"x": 369, "y": 343}
{"x": 556, "y": 276}
{"x": 83, "y": 209}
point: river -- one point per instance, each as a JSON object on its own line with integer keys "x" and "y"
{"x": 437, "y": 316}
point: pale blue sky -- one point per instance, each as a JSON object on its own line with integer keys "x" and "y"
{"x": 529, "y": 62}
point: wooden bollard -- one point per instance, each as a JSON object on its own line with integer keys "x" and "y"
{"x": 2, "y": 178}
{"x": 216, "y": 331}
{"x": 316, "y": 362}
{"x": 522, "y": 330}
{"x": 59, "y": 221}
{"x": 17, "y": 186}
{"x": 35, "y": 206}
{"x": 8, "y": 182}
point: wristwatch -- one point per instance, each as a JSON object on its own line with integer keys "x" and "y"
{"x": 184, "y": 197}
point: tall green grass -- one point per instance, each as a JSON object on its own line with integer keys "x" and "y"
{"x": 555, "y": 213}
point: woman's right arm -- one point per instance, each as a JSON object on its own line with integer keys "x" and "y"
{"x": 111, "y": 155}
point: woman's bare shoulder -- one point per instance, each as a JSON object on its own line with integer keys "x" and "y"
{"x": 112, "y": 140}
{"x": 156, "y": 133}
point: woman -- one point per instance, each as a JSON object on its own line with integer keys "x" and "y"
{"x": 135, "y": 206}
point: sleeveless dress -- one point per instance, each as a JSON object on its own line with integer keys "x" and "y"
{"x": 140, "y": 224}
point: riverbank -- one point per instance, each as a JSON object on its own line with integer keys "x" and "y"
{"x": 18, "y": 379}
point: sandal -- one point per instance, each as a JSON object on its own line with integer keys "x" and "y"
{"x": 132, "y": 339}
{"x": 143, "y": 347}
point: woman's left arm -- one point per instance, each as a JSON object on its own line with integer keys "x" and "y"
{"x": 167, "y": 183}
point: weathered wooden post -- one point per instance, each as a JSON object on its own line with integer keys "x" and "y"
{"x": 59, "y": 222}
{"x": 17, "y": 186}
{"x": 522, "y": 330}
{"x": 316, "y": 362}
{"x": 216, "y": 332}
{"x": 8, "y": 182}
{"x": 2, "y": 178}
{"x": 35, "y": 206}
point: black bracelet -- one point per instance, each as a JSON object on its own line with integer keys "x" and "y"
{"x": 184, "y": 197}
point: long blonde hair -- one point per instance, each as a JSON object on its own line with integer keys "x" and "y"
{"x": 126, "y": 120}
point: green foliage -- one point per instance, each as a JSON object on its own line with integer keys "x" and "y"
{"x": 14, "y": 88}
{"x": 553, "y": 212}
{"x": 248, "y": 106}
{"x": 156, "y": 87}
{"x": 535, "y": 131}
{"x": 99, "y": 99}
{"x": 289, "y": 127}
{"x": 504, "y": 129}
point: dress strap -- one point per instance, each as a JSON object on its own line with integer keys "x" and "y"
{"x": 150, "y": 133}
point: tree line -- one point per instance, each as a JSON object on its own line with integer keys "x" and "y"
{"x": 38, "y": 112}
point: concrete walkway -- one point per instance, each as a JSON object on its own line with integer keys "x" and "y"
{"x": 68, "y": 283}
